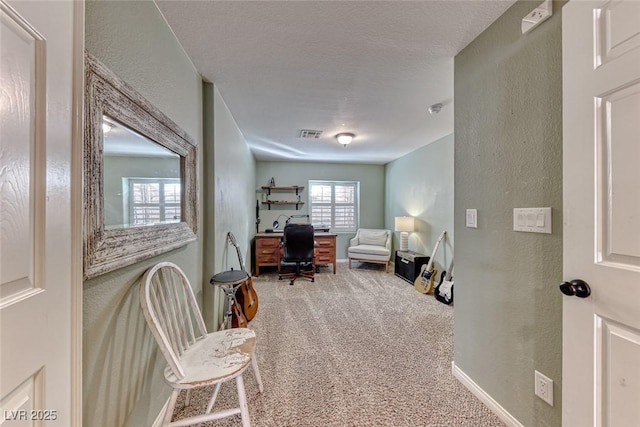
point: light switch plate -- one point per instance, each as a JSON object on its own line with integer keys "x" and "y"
{"x": 532, "y": 220}
{"x": 472, "y": 218}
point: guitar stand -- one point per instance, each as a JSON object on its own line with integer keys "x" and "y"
{"x": 229, "y": 282}
{"x": 230, "y": 292}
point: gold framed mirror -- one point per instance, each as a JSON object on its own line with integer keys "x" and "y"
{"x": 140, "y": 176}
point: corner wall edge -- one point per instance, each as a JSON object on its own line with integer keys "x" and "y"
{"x": 484, "y": 397}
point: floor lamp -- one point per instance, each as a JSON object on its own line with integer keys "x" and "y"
{"x": 405, "y": 225}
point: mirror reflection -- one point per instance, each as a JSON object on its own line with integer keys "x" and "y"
{"x": 141, "y": 179}
{"x": 140, "y": 176}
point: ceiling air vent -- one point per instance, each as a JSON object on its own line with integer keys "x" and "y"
{"x": 310, "y": 134}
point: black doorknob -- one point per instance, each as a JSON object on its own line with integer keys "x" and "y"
{"x": 576, "y": 287}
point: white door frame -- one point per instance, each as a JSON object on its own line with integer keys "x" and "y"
{"x": 73, "y": 184}
{"x": 77, "y": 212}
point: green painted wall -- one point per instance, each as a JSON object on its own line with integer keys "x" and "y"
{"x": 420, "y": 184}
{"x": 229, "y": 196}
{"x": 123, "y": 384}
{"x": 372, "y": 193}
{"x": 508, "y": 154}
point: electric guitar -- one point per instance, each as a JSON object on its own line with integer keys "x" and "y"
{"x": 424, "y": 282}
{"x": 444, "y": 290}
{"x": 247, "y": 297}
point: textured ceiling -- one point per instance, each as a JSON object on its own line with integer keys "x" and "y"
{"x": 367, "y": 67}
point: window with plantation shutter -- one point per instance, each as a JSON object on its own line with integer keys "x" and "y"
{"x": 334, "y": 204}
{"x": 154, "y": 200}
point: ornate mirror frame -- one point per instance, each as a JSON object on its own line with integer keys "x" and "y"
{"x": 107, "y": 250}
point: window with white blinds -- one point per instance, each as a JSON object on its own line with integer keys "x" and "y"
{"x": 334, "y": 204}
{"x": 155, "y": 200}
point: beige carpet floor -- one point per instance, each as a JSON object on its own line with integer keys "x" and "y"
{"x": 359, "y": 348}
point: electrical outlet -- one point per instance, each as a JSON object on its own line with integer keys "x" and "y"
{"x": 544, "y": 387}
{"x": 537, "y": 16}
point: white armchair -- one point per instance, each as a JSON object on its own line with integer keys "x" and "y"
{"x": 371, "y": 245}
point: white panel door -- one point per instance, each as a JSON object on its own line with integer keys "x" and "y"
{"x": 36, "y": 72}
{"x": 601, "y": 175}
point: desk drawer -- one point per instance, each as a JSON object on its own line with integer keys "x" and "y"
{"x": 267, "y": 243}
{"x": 324, "y": 256}
{"x": 264, "y": 256}
{"x": 267, "y": 252}
{"x": 267, "y": 257}
{"x": 326, "y": 243}
{"x": 326, "y": 250}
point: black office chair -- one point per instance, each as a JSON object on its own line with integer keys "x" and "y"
{"x": 297, "y": 253}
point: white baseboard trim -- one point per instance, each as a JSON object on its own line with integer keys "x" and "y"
{"x": 484, "y": 397}
{"x": 160, "y": 417}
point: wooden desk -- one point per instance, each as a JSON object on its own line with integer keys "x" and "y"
{"x": 266, "y": 250}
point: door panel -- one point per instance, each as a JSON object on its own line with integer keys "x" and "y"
{"x": 22, "y": 403}
{"x": 618, "y": 352}
{"x": 618, "y": 153}
{"x": 22, "y": 75}
{"x": 616, "y": 29}
{"x": 601, "y": 182}
{"x": 36, "y": 104}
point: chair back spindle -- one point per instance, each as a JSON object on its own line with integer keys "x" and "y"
{"x": 172, "y": 313}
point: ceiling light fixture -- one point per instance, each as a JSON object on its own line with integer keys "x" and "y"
{"x": 106, "y": 127}
{"x": 344, "y": 138}
{"x": 435, "y": 108}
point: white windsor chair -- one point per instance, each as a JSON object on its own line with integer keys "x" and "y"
{"x": 195, "y": 358}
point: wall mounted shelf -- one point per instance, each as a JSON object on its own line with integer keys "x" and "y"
{"x": 295, "y": 188}
{"x": 282, "y": 202}
{"x": 288, "y": 188}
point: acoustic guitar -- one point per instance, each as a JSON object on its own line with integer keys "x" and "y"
{"x": 246, "y": 295}
{"x": 424, "y": 282}
{"x": 238, "y": 320}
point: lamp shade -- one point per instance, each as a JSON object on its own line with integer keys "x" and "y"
{"x": 405, "y": 223}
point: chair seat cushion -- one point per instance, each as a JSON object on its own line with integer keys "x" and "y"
{"x": 292, "y": 267}
{"x": 369, "y": 250}
{"x": 295, "y": 264}
{"x": 218, "y": 356}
